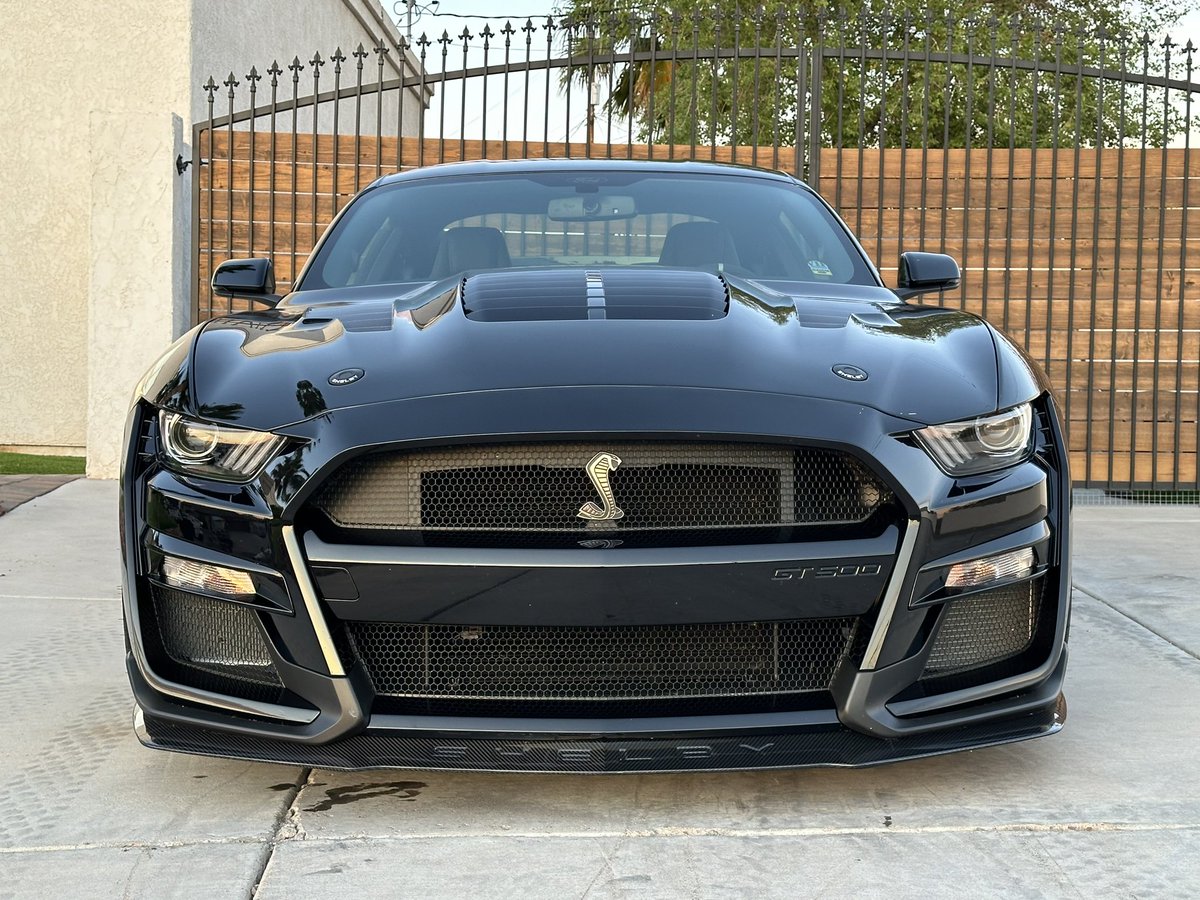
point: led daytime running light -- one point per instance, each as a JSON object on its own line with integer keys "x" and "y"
{"x": 189, "y": 575}
{"x": 1001, "y": 567}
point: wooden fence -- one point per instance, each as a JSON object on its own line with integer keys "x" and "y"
{"x": 1090, "y": 259}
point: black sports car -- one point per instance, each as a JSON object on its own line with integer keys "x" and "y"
{"x": 593, "y": 466}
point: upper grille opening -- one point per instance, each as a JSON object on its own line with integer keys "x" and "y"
{"x": 656, "y": 487}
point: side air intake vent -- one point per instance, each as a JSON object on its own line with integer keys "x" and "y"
{"x": 210, "y": 644}
{"x": 611, "y": 293}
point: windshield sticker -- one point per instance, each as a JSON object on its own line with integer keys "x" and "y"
{"x": 819, "y": 269}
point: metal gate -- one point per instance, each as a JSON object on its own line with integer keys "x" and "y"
{"x": 1055, "y": 163}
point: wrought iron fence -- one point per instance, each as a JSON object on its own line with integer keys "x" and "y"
{"x": 1057, "y": 163}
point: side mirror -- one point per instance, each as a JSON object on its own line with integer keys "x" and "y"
{"x": 923, "y": 273}
{"x": 253, "y": 279}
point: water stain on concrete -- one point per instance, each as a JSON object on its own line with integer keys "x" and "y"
{"x": 402, "y": 790}
{"x": 331, "y": 870}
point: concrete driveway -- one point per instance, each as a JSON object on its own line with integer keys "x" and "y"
{"x": 1110, "y": 807}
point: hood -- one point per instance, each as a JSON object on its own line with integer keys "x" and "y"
{"x": 507, "y": 331}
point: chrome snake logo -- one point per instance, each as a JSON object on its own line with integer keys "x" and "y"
{"x": 598, "y": 469}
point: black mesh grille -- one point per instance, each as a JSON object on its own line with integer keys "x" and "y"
{"x": 212, "y": 644}
{"x": 987, "y": 628}
{"x": 555, "y": 663}
{"x": 544, "y": 488}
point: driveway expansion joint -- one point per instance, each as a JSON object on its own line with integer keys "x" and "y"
{"x": 759, "y": 833}
{"x": 287, "y": 828}
{"x": 1136, "y": 621}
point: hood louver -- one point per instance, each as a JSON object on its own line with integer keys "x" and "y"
{"x": 635, "y": 293}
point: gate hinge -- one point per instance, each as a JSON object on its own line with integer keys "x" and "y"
{"x": 181, "y": 164}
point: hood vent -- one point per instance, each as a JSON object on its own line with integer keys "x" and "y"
{"x": 360, "y": 316}
{"x": 540, "y": 295}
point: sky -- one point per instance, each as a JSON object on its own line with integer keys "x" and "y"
{"x": 553, "y": 119}
{"x": 550, "y": 114}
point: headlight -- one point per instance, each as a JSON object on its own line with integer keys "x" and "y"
{"x": 216, "y": 451}
{"x": 981, "y": 445}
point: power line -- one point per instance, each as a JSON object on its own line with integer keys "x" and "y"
{"x": 428, "y": 9}
{"x": 511, "y": 16}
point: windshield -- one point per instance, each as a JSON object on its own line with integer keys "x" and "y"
{"x": 441, "y": 227}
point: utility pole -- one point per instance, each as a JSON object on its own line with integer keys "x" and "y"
{"x": 593, "y": 101}
{"x": 409, "y": 6}
{"x": 593, "y": 92}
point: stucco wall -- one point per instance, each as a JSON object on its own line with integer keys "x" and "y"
{"x": 94, "y": 223}
{"x": 227, "y": 39}
{"x": 45, "y": 183}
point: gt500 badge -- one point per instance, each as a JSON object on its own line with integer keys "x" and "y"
{"x": 801, "y": 572}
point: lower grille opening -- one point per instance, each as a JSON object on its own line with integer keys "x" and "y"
{"x": 601, "y": 670}
{"x": 209, "y": 644}
{"x": 989, "y": 636}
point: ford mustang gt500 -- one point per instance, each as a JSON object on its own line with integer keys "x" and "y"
{"x": 593, "y": 466}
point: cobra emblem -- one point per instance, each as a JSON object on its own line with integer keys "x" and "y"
{"x": 598, "y": 469}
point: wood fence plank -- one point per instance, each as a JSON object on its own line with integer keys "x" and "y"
{"x": 1122, "y": 356}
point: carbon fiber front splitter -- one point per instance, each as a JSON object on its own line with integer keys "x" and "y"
{"x": 377, "y": 749}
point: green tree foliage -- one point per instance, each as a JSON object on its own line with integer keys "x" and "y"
{"x": 971, "y": 73}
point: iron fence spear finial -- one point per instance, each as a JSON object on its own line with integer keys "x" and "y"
{"x": 423, "y": 43}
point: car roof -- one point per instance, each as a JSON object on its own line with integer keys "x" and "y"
{"x": 518, "y": 166}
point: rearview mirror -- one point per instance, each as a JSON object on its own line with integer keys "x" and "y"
{"x": 923, "y": 273}
{"x": 253, "y": 279}
{"x": 591, "y": 207}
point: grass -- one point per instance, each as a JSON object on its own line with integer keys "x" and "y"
{"x": 36, "y": 464}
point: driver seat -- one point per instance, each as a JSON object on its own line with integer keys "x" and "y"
{"x": 698, "y": 245}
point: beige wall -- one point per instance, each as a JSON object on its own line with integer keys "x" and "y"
{"x": 94, "y": 219}
{"x": 45, "y": 205}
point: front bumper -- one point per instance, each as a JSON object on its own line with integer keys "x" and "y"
{"x": 327, "y": 714}
{"x": 818, "y": 743}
